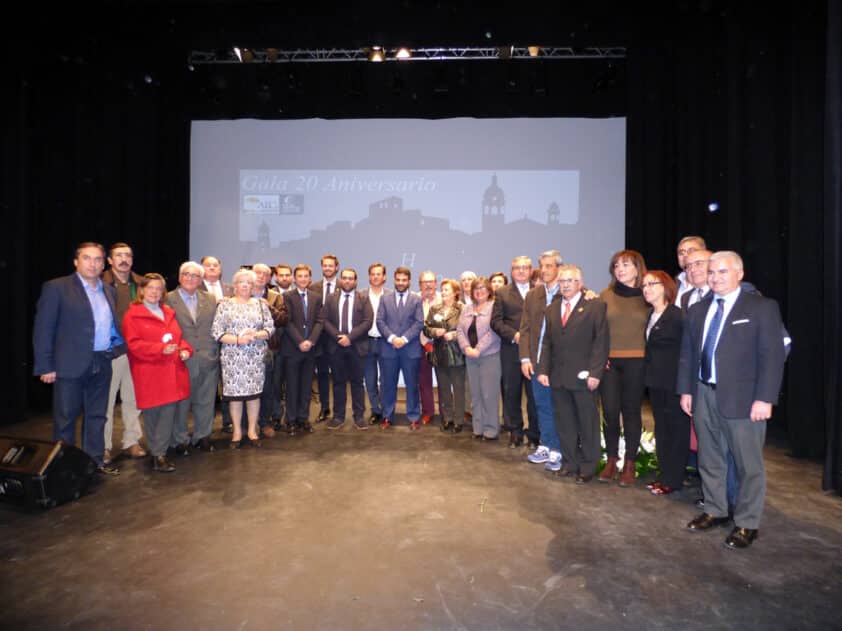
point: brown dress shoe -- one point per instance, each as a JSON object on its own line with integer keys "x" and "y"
{"x": 627, "y": 476}
{"x": 136, "y": 451}
{"x": 609, "y": 472}
{"x": 704, "y": 521}
{"x": 267, "y": 431}
{"x": 741, "y": 538}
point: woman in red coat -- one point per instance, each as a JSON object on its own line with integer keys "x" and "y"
{"x": 156, "y": 357}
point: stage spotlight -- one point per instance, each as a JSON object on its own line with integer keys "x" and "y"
{"x": 248, "y": 55}
{"x": 403, "y": 53}
{"x": 376, "y": 54}
{"x": 534, "y": 51}
{"x": 238, "y": 53}
{"x": 713, "y": 207}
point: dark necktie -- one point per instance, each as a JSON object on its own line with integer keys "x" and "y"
{"x": 473, "y": 339}
{"x": 700, "y": 294}
{"x": 710, "y": 340}
{"x": 303, "y": 295}
{"x": 328, "y": 287}
{"x": 343, "y": 326}
{"x": 400, "y": 303}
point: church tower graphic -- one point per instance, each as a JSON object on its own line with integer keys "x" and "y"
{"x": 493, "y": 206}
{"x": 263, "y": 241}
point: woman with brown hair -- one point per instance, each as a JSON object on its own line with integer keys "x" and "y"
{"x": 157, "y": 353}
{"x": 622, "y": 386}
{"x": 663, "y": 345}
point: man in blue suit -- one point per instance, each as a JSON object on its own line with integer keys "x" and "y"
{"x": 729, "y": 374}
{"x": 74, "y": 339}
{"x": 400, "y": 318}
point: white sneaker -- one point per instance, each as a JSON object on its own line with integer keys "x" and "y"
{"x": 553, "y": 461}
{"x": 539, "y": 456}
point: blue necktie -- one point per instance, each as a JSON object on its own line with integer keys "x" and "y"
{"x": 304, "y": 303}
{"x": 710, "y": 340}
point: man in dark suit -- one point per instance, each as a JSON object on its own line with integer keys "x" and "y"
{"x": 298, "y": 347}
{"x": 74, "y": 339}
{"x": 505, "y": 321}
{"x": 325, "y": 287}
{"x": 729, "y": 376}
{"x": 400, "y": 319}
{"x": 212, "y": 282}
{"x": 270, "y": 399}
{"x": 348, "y": 318}
{"x": 194, "y": 312}
{"x": 572, "y": 361}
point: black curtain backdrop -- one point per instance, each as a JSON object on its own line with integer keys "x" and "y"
{"x": 724, "y": 103}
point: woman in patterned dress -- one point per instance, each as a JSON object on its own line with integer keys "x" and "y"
{"x": 242, "y": 325}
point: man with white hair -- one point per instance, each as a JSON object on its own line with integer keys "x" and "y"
{"x": 729, "y": 375}
{"x": 194, "y": 312}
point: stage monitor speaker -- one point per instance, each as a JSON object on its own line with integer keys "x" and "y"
{"x": 39, "y": 473}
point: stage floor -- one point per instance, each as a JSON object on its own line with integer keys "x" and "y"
{"x": 407, "y": 530}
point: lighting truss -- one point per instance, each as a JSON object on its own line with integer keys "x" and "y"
{"x": 441, "y": 53}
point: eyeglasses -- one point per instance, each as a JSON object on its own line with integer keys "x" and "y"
{"x": 652, "y": 284}
{"x": 191, "y": 275}
{"x": 696, "y": 263}
{"x": 568, "y": 280}
{"x": 685, "y": 251}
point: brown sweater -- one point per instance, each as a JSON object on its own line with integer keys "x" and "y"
{"x": 627, "y": 318}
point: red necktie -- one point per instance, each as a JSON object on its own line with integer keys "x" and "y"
{"x": 566, "y": 314}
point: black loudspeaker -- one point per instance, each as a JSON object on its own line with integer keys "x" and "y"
{"x": 39, "y": 473}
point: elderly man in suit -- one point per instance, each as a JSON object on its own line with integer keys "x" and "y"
{"x": 212, "y": 282}
{"x": 506, "y": 316}
{"x": 400, "y": 319}
{"x": 298, "y": 347}
{"x": 194, "y": 312}
{"x": 74, "y": 340}
{"x": 572, "y": 362}
{"x": 348, "y": 318}
{"x": 729, "y": 375}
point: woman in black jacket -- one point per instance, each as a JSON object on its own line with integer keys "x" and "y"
{"x": 663, "y": 344}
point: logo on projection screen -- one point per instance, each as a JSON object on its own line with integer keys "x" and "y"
{"x": 273, "y": 205}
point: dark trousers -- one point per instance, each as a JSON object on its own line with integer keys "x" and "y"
{"x": 270, "y": 400}
{"x": 323, "y": 377}
{"x": 622, "y": 392}
{"x": 672, "y": 436}
{"x": 299, "y": 377}
{"x": 86, "y": 395}
{"x": 577, "y": 424}
{"x": 347, "y": 367}
{"x": 371, "y": 372}
{"x": 512, "y": 384}
{"x": 425, "y": 386}
{"x": 159, "y": 422}
{"x": 451, "y": 380}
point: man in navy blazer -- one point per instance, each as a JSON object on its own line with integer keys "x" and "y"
{"x": 400, "y": 319}
{"x": 298, "y": 347}
{"x": 348, "y": 318}
{"x": 729, "y": 376}
{"x": 74, "y": 339}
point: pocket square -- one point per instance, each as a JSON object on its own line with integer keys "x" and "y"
{"x": 743, "y": 321}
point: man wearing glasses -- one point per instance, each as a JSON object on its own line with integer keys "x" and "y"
{"x": 194, "y": 312}
{"x": 685, "y": 248}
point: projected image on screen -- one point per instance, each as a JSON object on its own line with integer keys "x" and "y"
{"x": 449, "y": 196}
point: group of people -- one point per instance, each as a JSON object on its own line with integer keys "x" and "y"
{"x": 703, "y": 345}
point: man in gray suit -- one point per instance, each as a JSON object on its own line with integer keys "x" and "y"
{"x": 729, "y": 375}
{"x": 194, "y": 311}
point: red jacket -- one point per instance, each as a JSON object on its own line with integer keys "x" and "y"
{"x": 158, "y": 379}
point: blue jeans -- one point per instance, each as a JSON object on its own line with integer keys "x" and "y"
{"x": 543, "y": 396}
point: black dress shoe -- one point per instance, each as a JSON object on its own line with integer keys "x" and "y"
{"x": 306, "y": 428}
{"x": 740, "y": 538}
{"x": 161, "y": 464}
{"x": 564, "y": 472}
{"x": 205, "y": 444}
{"x": 235, "y": 444}
{"x": 324, "y": 415}
{"x": 254, "y": 442}
{"x": 706, "y": 522}
{"x": 515, "y": 441}
{"x": 182, "y": 450}
{"x": 375, "y": 419}
{"x": 583, "y": 479}
{"x": 455, "y": 428}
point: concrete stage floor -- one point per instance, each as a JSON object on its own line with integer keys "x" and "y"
{"x": 400, "y": 530}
